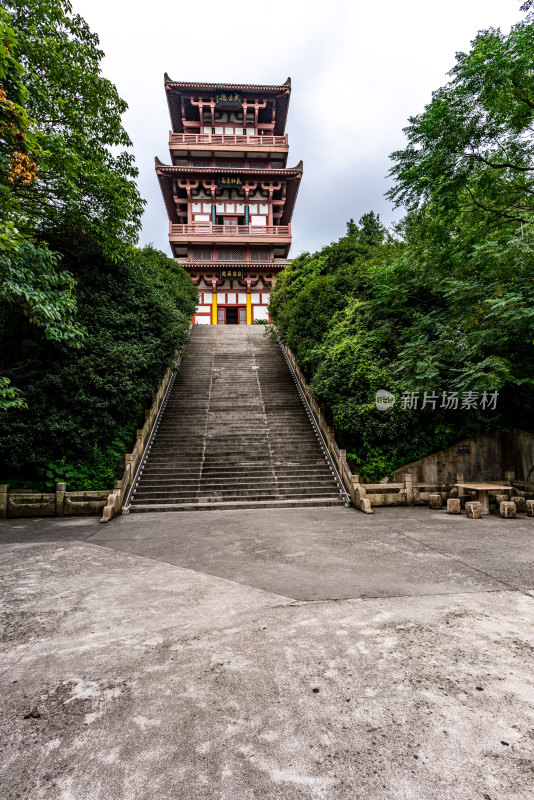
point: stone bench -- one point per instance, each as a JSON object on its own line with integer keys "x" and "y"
{"x": 520, "y": 503}
{"x": 454, "y": 505}
{"x": 507, "y": 509}
{"x": 473, "y": 510}
{"x": 434, "y": 501}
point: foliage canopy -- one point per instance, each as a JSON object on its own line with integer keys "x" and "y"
{"x": 83, "y": 182}
{"x": 136, "y": 315}
{"x": 446, "y": 303}
{"x": 88, "y": 324}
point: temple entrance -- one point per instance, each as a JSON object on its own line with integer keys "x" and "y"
{"x": 231, "y": 315}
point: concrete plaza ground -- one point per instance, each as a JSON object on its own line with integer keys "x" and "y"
{"x": 293, "y": 655}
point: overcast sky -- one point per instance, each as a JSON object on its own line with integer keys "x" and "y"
{"x": 358, "y": 70}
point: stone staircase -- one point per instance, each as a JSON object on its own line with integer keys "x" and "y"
{"x": 234, "y": 433}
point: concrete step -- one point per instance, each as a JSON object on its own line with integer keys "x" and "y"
{"x": 232, "y": 417}
{"x": 259, "y": 493}
{"x": 236, "y": 505}
{"x": 255, "y": 492}
{"x": 249, "y": 471}
{"x": 238, "y": 441}
{"x": 253, "y": 465}
{"x": 307, "y": 452}
{"x": 238, "y": 479}
{"x": 286, "y": 480}
{"x": 240, "y": 457}
{"x": 219, "y": 434}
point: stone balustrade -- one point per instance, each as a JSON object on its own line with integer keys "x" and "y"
{"x": 115, "y": 500}
{"x": 63, "y": 503}
{"x": 30, "y": 503}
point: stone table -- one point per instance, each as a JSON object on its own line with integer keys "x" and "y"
{"x": 483, "y": 490}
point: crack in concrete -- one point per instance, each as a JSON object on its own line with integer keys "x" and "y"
{"x": 467, "y": 564}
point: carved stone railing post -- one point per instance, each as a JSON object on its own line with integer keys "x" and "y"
{"x": 408, "y": 488}
{"x": 128, "y": 458}
{"x": 140, "y": 441}
{"x": 61, "y": 488}
{"x": 4, "y": 488}
{"x": 358, "y": 495}
{"x": 342, "y": 466}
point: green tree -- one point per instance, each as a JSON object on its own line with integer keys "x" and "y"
{"x": 62, "y": 178}
{"x": 446, "y": 304}
{"x": 86, "y": 184}
{"x": 472, "y": 147}
{"x": 352, "y": 228}
{"x": 467, "y": 179}
{"x": 18, "y": 141}
{"x": 136, "y": 313}
{"x": 30, "y": 281}
{"x": 371, "y": 231}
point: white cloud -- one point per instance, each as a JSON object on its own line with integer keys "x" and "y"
{"x": 358, "y": 70}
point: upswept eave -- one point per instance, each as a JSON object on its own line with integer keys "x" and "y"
{"x": 234, "y": 86}
{"x": 174, "y": 89}
{"x": 298, "y": 170}
{"x": 166, "y": 172}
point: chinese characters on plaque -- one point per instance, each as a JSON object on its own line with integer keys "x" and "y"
{"x": 229, "y": 182}
{"x": 232, "y": 272}
{"x": 226, "y": 98}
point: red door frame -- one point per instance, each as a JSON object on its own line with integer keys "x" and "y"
{"x": 241, "y": 313}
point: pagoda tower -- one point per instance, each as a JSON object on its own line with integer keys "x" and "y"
{"x": 228, "y": 193}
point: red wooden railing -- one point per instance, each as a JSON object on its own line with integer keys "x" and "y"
{"x": 226, "y": 138}
{"x": 207, "y": 229}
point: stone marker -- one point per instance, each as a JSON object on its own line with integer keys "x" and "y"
{"x": 508, "y": 510}
{"x": 453, "y": 505}
{"x": 530, "y": 508}
{"x": 434, "y": 501}
{"x": 520, "y": 503}
{"x": 473, "y": 510}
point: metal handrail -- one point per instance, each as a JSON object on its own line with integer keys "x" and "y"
{"x": 324, "y": 445}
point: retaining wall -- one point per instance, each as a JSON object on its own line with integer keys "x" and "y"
{"x": 487, "y": 457}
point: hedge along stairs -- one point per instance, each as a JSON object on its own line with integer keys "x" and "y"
{"x": 234, "y": 432}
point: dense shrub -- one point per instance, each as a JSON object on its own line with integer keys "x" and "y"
{"x": 379, "y": 323}
{"x": 445, "y": 304}
{"x": 88, "y": 324}
{"x": 83, "y": 405}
